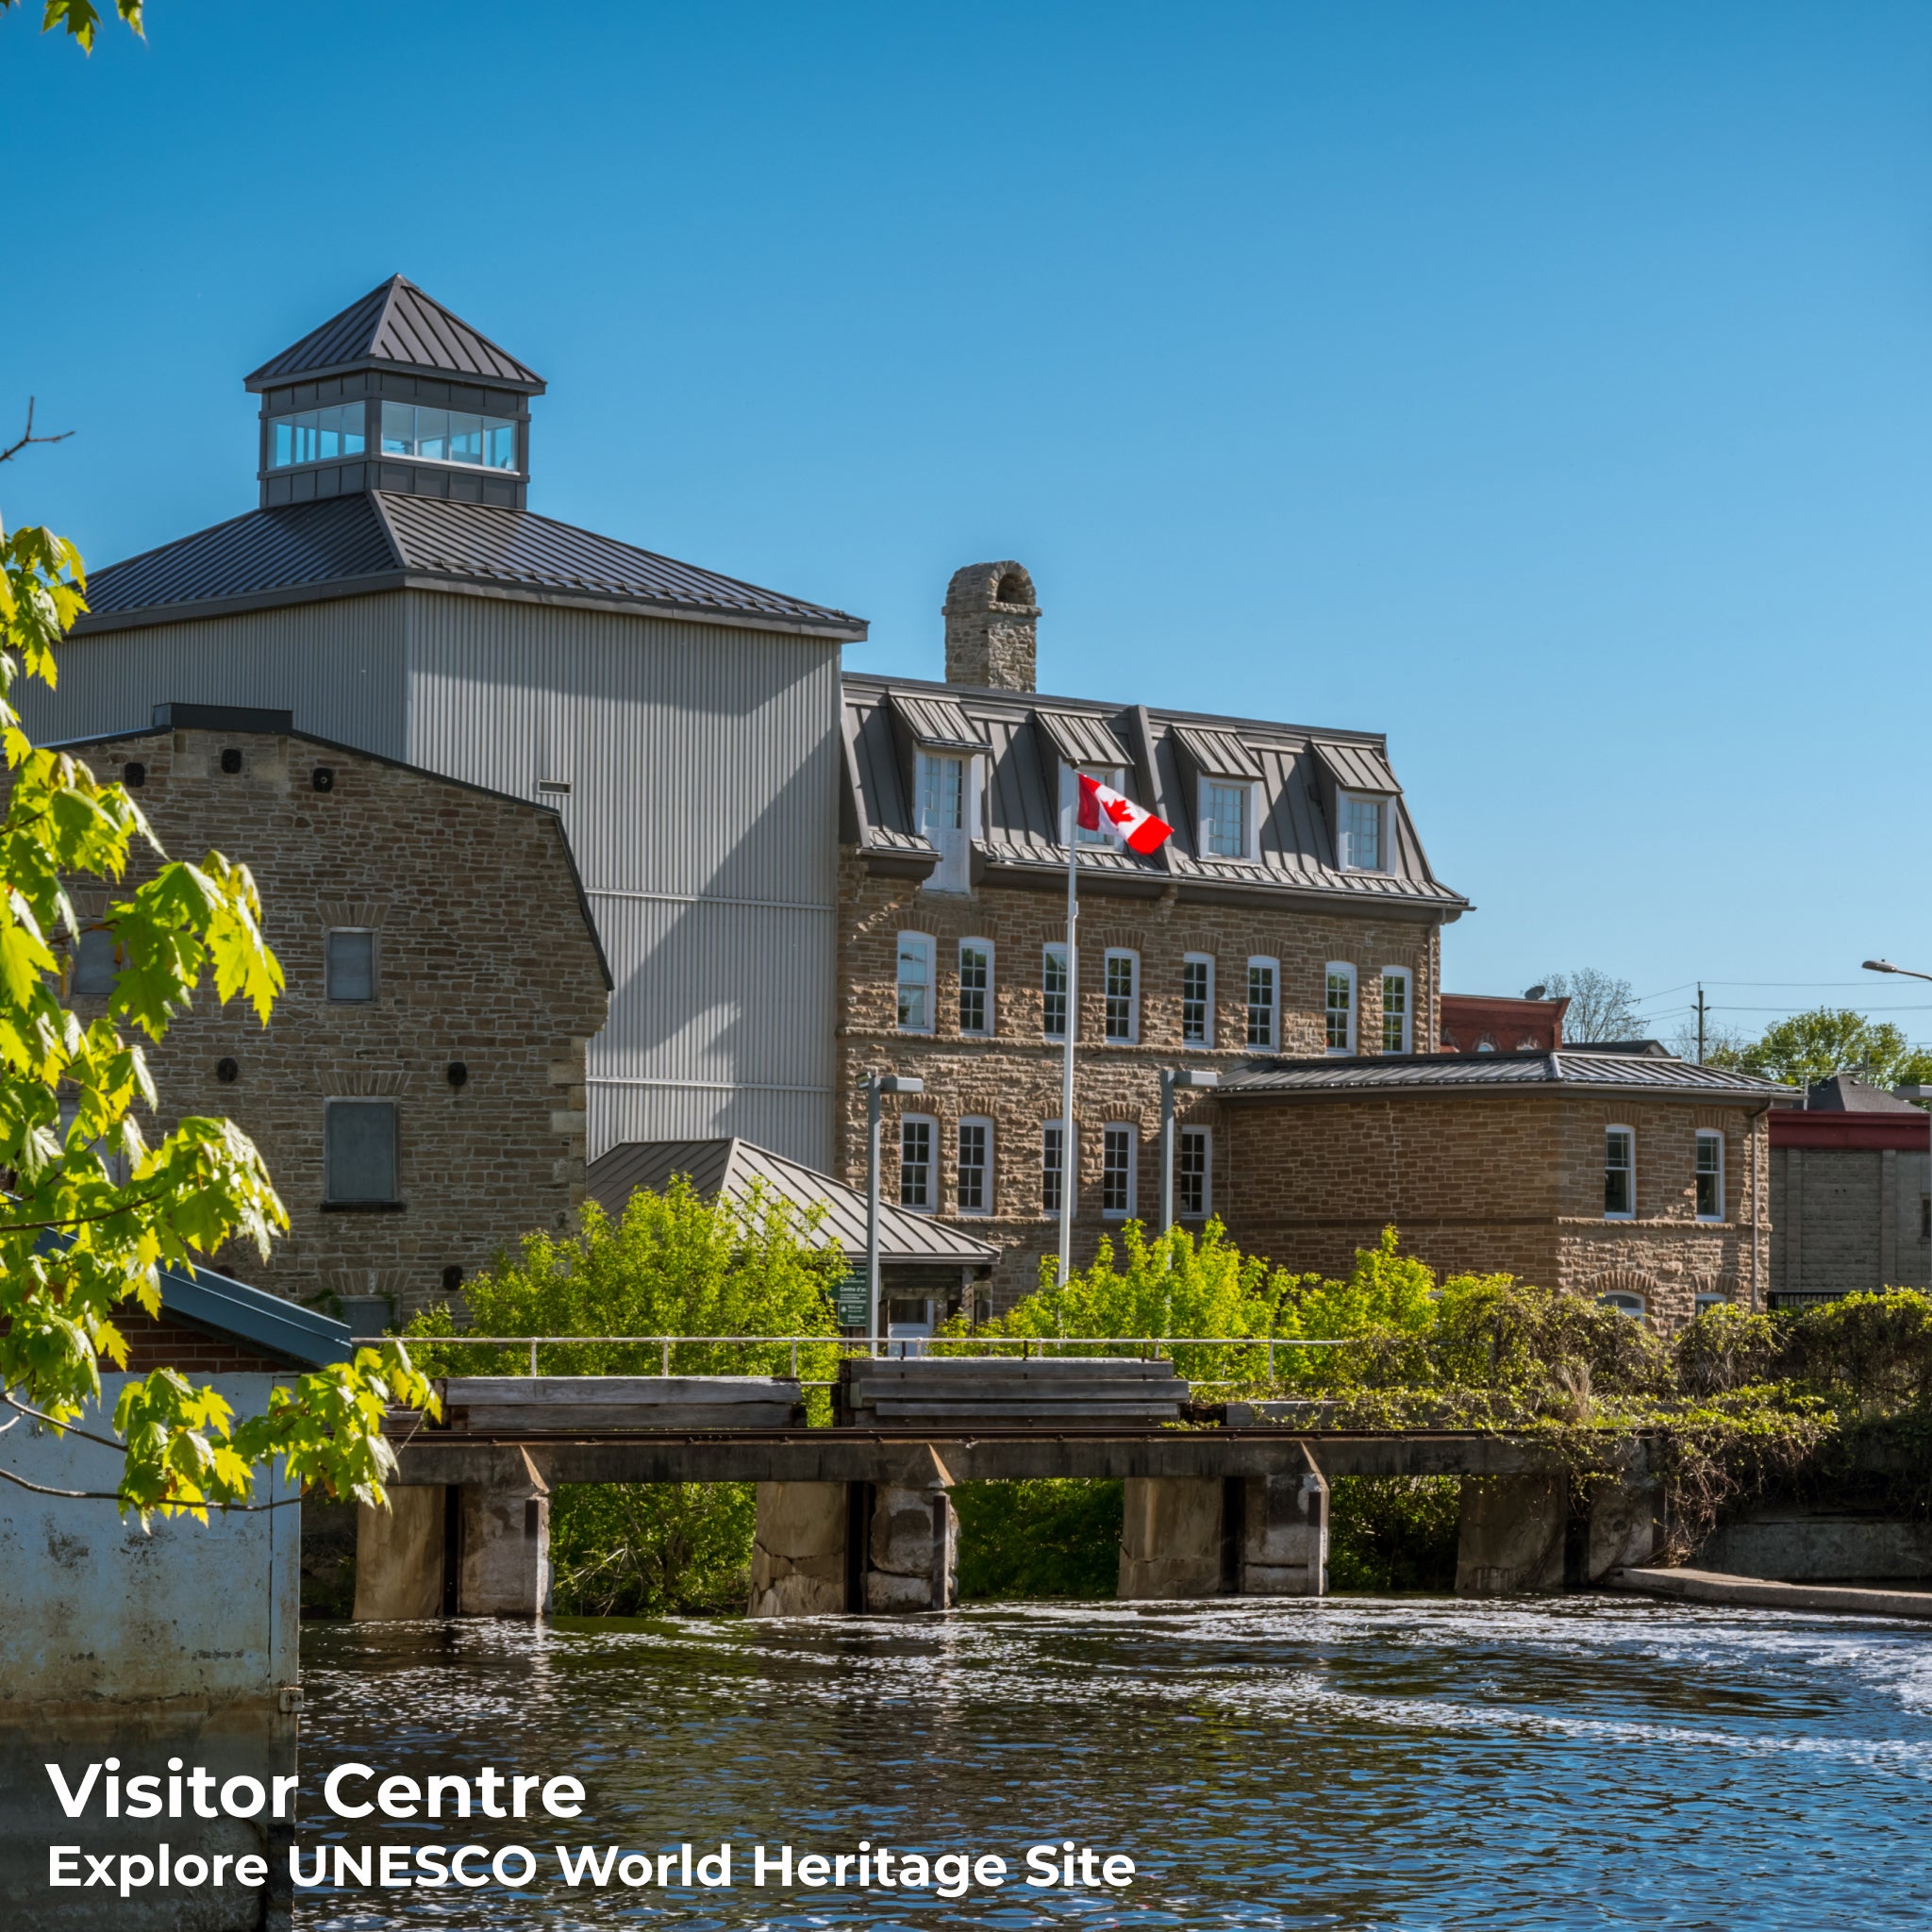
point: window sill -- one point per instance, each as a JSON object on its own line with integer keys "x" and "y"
{"x": 364, "y": 1206}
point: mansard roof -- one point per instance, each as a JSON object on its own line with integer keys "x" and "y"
{"x": 1592, "y": 1070}
{"x": 381, "y": 539}
{"x": 399, "y": 325}
{"x": 1025, "y": 739}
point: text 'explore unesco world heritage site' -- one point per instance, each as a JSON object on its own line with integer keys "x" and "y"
{"x": 965, "y": 968}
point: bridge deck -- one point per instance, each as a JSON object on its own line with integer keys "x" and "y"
{"x": 988, "y": 1455}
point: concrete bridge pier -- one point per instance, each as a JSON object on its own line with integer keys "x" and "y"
{"x": 1511, "y": 1537}
{"x": 831, "y": 1549}
{"x": 470, "y": 1549}
{"x": 1224, "y": 1536}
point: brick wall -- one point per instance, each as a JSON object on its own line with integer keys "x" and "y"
{"x": 1489, "y": 1183}
{"x": 483, "y": 959}
{"x": 1013, "y": 1077}
{"x": 1849, "y": 1218}
{"x": 172, "y": 1345}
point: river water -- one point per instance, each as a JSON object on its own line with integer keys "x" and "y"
{"x": 1408, "y": 1764}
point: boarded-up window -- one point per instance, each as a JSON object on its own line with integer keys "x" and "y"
{"x": 351, "y": 964}
{"x": 94, "y": 962}
{"x": 361, "y": 1151}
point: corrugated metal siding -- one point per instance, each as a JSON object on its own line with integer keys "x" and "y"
{"x": 336, "y": 665}
{"x": 704, "y": 768}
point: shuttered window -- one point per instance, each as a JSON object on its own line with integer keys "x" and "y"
{"x": 360, "y": 1153}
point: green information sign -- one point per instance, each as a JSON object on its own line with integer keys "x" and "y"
{"x": 853, "y": 1301}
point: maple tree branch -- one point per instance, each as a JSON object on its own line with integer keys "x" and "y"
{"x": 27, "y": 435}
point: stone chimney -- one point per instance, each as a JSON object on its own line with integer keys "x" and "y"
{"x": 992, "y": 628}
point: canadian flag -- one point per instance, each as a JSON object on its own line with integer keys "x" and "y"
{"x": 1102, "y": 810}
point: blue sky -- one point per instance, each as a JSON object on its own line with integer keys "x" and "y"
{"x": 1544, "y": 386}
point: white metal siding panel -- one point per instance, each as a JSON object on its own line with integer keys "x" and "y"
{"x": 703, "y": 762}
{"x": 336, "y": 665}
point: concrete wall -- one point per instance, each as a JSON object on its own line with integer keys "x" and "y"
{"x": 1848, "y": 1218}
{"x": 99, "y": 1619}
{"x": 1819, "y": 1547}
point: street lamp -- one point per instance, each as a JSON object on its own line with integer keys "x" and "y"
{"x": 1885, "y": 966}
{"x": 876, "y": 1084}
{"x": 1186, "y": 1080}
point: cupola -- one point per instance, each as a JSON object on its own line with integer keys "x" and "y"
{"x": 396, "y": 393}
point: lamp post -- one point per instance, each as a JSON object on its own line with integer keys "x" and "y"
{"x": 876, "y": 1085}
{"x": 1185, "y": 1080}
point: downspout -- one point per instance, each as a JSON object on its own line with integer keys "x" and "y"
{"x": 1759, "y": 1213}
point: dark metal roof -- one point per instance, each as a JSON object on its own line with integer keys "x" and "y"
{"x": 380, "y": 540}
{"x": 250, "y": 1314}
{"x": 1025, "y": 739}
{"x": 730, "y": 1167}
{"x": 398, "y": 324}
{"x": 1847, "y": 1093}
{"x": 1435, "y": 1074}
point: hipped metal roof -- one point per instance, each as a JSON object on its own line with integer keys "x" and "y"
{"x": 380, "y": 540}
{"x": 730, "y": 1167}
{"x": 400, "y": 326}
{"x": 1025, "y": 739}
{"x": 1565, "y": 1069}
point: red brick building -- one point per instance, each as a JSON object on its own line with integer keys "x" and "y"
{"x": 1488, "y": 1023}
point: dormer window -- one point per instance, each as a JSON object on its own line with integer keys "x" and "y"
{"x": 315, "y": 436}
{"x": 448, "y": 436}
{"x": 1362, "y": 836}
{"x": 1226, "y": 820}
{"x": 1113, "y": 776}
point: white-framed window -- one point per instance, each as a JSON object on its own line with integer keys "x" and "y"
{"x": 1119, "y": 1168}
{"x": 918, "y": 1135}
{"x": 351, "y": 963}
{"x": 1362, "y": 836}
{"x": 1710, "y": 1175}
{"x": 1396, "y": 1016}
{"x": 360, "y": 1150}
{"x": 915, "y": 982}
{"x": 1620, "y": 1174}
{"x": 1337, "y": 1006}
{"x": 1053, "y": 1165}
{"x": 1264, "y": 1003}
{"x": 1197, "y": 999}
{"x": 976, "y": 986}
{"x": 96, "y": 960}
{"x": 1227, "y": 819}
{"x": 1486, "y": 1043}
{"x": 975, "y": 1169}
{"x": 1122, "y": 969}
{"x": 1194, "y": 1175}
{"x": 316, "y": 436}
{"x": 1624, "y": 1303}
{"x": 945, "y": 818}
{"x": 1706, "y": 1302}
{"x": 447, "y": 435}
{"x": 1113, "y": 776}
{"x": 1053, "y": 991}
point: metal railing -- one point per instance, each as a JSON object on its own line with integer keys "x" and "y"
{"x": 856, "y": 1347}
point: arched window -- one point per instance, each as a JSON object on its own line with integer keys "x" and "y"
{"x": 1624, "y": 1303}
{"x": 1487, "y": 1044}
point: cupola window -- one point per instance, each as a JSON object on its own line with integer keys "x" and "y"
{"x": 448, "y": 436}
{"x": 315, "y": 436}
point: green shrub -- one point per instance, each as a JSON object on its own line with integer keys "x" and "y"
{"x": 644, "y": 1549}
{"x": 1393, "y": 1533}
{"x": 1040, "y": 1538}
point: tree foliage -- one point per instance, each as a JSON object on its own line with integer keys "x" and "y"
{"x": 1601, "y": 1006}
{"x": 94, "y": 1207}
{"x": 672, "y": 1264}
{"x": 80, "y": 19}
{"x": 1826, "y": 1040}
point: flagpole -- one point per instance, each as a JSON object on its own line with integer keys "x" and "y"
{"x": 1069, "y": 1168}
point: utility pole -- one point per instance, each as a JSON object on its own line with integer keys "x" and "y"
{"x": 1701, "y": 1009}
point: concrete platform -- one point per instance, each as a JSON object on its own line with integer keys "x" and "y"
{"x": 1763, "y": 1593}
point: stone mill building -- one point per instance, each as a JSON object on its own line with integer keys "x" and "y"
{"x": 393, "y": 593}
{"x": 1295, "y": 912}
